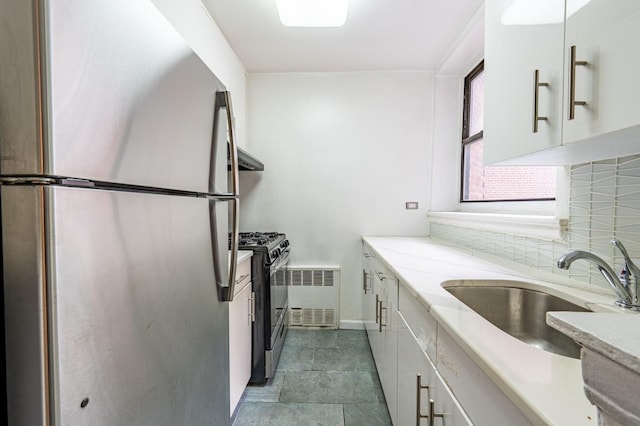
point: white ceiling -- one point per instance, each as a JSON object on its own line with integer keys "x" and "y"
{"x": 378, "y": 35}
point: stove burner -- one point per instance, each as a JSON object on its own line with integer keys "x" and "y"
{"x": 258, "y": 238}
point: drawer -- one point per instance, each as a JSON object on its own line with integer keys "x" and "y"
{"x": 488, "y": 407}
{"x": 421, "y": 323}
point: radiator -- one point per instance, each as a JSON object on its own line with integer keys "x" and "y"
{"x": 314, "y": 296}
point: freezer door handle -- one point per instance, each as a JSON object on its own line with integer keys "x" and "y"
{"x": 223, "y": 100}
{"x": 233, "y": 147}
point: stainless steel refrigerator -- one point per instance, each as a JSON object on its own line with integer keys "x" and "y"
{"x": 116, "y": 214}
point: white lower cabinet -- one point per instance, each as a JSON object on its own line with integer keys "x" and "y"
{"x": 240, "y": 319}
{"x": 423, "y": 397}
{"x": 407, "y": 342}
{"x": 399, "y": 355}
{"x": 382, "y": 333}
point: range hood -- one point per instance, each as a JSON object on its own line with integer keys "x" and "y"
{"x": 247, "y": 161}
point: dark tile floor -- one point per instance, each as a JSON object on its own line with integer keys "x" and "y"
{"x": 324, "y": 377}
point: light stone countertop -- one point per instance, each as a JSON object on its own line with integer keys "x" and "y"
{"x": 244, "y": 254}
{"x": 614, "y": 335}
{"x": 547, "y": 388}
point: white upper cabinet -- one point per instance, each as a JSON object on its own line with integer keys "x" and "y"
{"x": 585, "y": 107}
{"x": 519, "y": 42}
{"x": 606, "y": 35}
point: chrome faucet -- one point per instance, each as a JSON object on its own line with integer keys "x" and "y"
{"x": 625, "y": 285}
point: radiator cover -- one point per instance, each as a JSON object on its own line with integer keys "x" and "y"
{"x": 314, "y": 296}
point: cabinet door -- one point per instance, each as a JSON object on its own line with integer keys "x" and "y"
{"x": 430, "y": 391}
{"x": 605, "y": 34}
{"x": 517, "y": 43}
{"x": 445, "y": 407}
{"x": 412, "y": 361}
{"x": 374, "y": 331}
{"x": 383, "y": 339}
{"x": 389, "y": 377}
{"x": 369, "y": 308}
{"x": 239, "y": 343}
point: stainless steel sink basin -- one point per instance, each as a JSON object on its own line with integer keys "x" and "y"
{"x": 521, "y": 313}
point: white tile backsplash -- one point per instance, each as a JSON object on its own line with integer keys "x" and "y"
{"x": 604, "y": 203}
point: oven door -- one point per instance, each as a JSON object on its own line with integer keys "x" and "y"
{"x": 278, "y": 289}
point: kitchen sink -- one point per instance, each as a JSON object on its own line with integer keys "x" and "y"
{"x": 518, "y": 311}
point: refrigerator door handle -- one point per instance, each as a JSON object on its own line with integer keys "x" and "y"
{"x": 224, "y": 243}
{"x": 233, "y": 262}
{"x": 223, "y": 100}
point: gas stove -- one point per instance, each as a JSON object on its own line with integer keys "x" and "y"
{"x": 274, "y": 243}
{"x": 269, "y": 285}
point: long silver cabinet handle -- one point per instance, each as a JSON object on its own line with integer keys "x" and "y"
{"x": 432, "y": 411}
{"x": 572, "y": 83}
{"x": 377, "y": 309}
{"x": 252, "y": 307}
{"x": 419, "y": 387}
{"x": 536, "y": 98}
{"x": 380, "y": 324}
{"x": 365, "y": 277}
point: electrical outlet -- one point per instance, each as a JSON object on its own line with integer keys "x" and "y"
{"x": 411, "y": 205}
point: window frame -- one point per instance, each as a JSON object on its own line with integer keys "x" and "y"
{"x": 468, "y": 139}
{"x": 466, "y": 124}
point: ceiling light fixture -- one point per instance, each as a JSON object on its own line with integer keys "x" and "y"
{"x": 313, "y": 13}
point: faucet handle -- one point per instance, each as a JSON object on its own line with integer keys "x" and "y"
{"x": 622, "y": 249}
{"x": 629, "y": 266}
{"x": 630, "y": 273}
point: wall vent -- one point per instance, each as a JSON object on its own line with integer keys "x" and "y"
{"x": 314, "y": 296}
{"x": 312, "y": 277}
{"x": 310, "y": 317}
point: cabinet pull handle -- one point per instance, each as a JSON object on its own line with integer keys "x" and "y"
{"x": 252, "y": 307}
{"x": 381, "y": 276}
{"x": 572, "y": 83}
{"x": 380, "y": 324}
{"x": 419, "y": 387}
{"x": 365, "y": 279}
{"x": 377, "y": 309}
{"x": 536, "y": 95}
{"x": 432, "y": 411}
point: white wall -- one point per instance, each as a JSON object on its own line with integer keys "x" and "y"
{"x": 465, "y": 55}
{"x": 203, "y": 35}
{"x": 447, "y": 142}
{"x": 343, "y": 152}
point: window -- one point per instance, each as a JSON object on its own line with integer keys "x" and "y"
{"x": 495, "y": 183}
